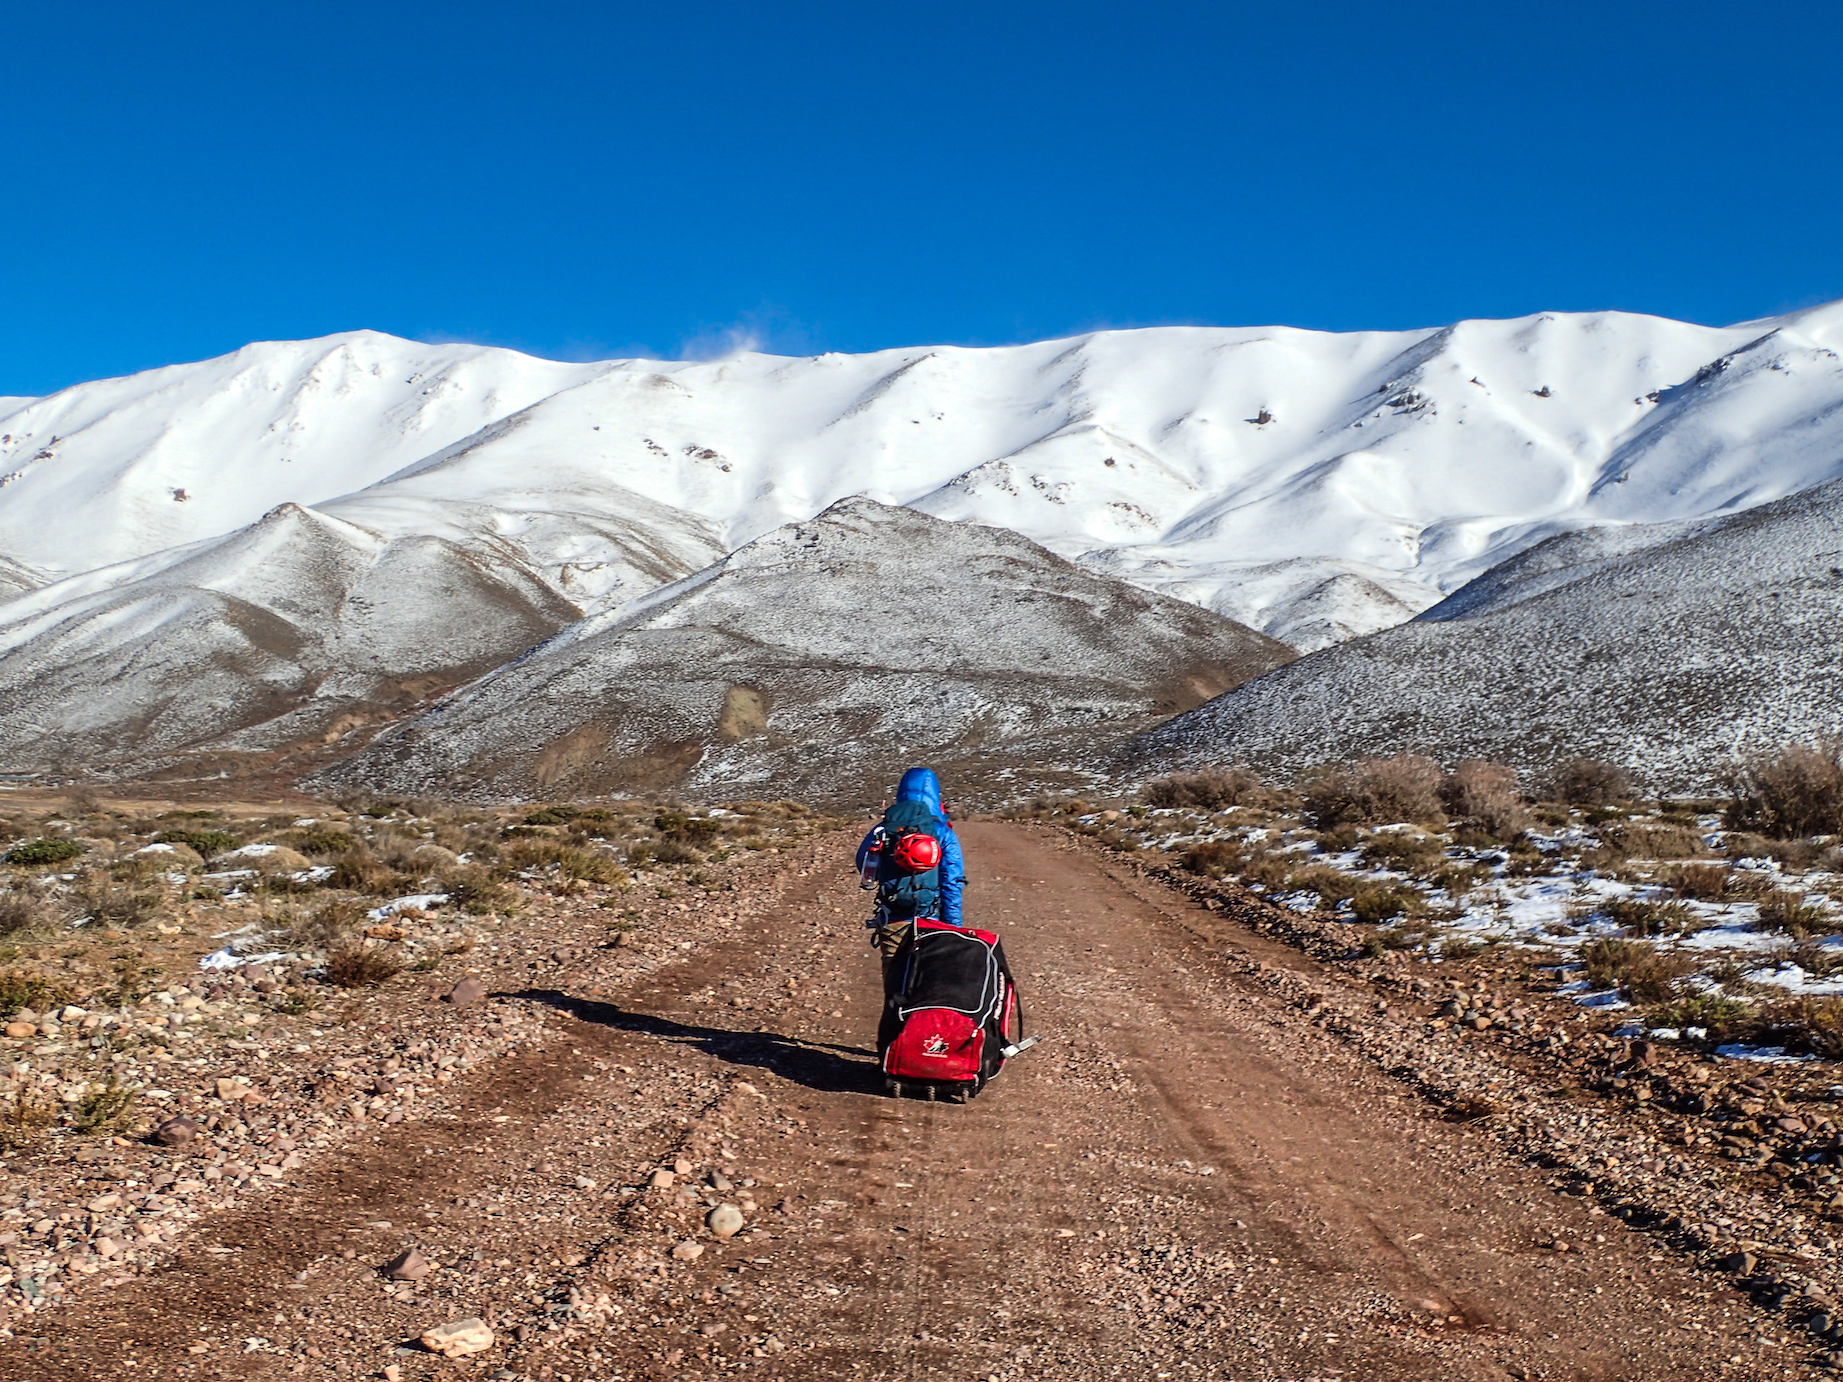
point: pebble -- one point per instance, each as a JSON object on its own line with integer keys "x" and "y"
{"x": 726, "y": 1221}
{"x": 458, "y": 1338}
{"x": 688, "y": 1251}
{"x": 21, "y": 1031}
{"x": 176, "y": 1132}
{"x": 662, "y": 1179}
{"x": 469, "y": 990}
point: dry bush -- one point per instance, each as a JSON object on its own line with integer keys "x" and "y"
{"x": 590, "y": 866}
{"x": 1798, "y": 791}
{"x": 328, "y": 925}
{"x": 1211, "y": 791}
{"x": 1376, "y": 904}
{"x": 1589, "y": 782}
{"x": 1375, "y": 791}
{"x": 532, "y": 851}
{"x": 116, "y": 906}
{"x": 673, "y": 850}
{"x": 361, "y": 871}
{"x": 1406, "y": 853}
{"x": 319, "y": 841}
{"x": 21, "y": 988}
{"x": 1213, "y": 858}
{"x": 1817, "y": 960}
{"x": 25, "y": 1118}
{"x": 1643, "y": 972}
{"x": 356, "y": 965}
{"x": 106, "y": 1110}
{"x": 1792, "y": 914}
{"x": 476, "y": 891}
{"x": 22, "y": 911}
{"x": 1700, "y": 882}
{"x": 1800, "y": 1023}
{"x": 1485, "y": 794}
{"x": 1650, "y": 918}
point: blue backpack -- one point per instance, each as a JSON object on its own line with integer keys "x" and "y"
{"x": 903, "y": 893}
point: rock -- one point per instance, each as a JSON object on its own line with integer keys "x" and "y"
{"x": 458, "y": 1338}
{"x": 683, "y": 1167}
{"x": 662, "y": 1179}
{"x": 408, "y": 1265}
{"x": 21, "y": 1031}
{"x": 1740, "y": 1263}
{"x": 726, "y": 1221}
{"x": 469, "y": 990}
{"x": 720, "y": 1183}
{"x": 688, "y": 1251}
{"x": 230, "y": 1090}
{"x": 107, "y": 1247}
{"x": 711, "y": 1330}
{"x": 176, "y": 1132}
{"x": 102, "y": 1204}
{"x": 72, "y": 1013}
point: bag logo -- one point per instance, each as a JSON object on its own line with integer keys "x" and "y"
{"x": 935, "y": 1045}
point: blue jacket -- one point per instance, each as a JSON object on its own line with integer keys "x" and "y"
{"x": 920, "y": 784}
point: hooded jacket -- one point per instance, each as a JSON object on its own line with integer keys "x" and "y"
{"x": 920, "y": 784}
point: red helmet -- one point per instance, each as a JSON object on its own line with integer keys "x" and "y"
{"x": 918, "y": 853}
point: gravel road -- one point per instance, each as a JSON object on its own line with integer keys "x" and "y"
{"x": 1188, "y": 1179}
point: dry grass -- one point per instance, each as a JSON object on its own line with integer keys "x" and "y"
{"x": 21, "y": 988}
{"x": 107, "y": 1110}
{"x": 25, "y": 1118}
{"x": 1792, "y": 914}
{"x": 1698, "y": 882}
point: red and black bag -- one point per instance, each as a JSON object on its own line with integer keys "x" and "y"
{"x": 950, "y": 1008}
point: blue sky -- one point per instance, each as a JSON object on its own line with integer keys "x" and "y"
{"x": 594, "y": 179}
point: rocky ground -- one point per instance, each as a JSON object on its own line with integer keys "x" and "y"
{"x": 1245, "y": 1151}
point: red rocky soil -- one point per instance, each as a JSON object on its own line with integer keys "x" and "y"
{"x": 1192, "y": 1177}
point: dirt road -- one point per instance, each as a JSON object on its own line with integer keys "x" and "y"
{"x": 1189, "y": 1180}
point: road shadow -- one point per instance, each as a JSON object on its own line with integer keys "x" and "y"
{"x": 820, "y": 1066}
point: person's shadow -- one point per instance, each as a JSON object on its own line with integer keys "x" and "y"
{"x": 819, "y": 1066}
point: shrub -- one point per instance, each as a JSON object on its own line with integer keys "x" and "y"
{"x": 105, "y": 1110}
{"x": 1798, "y": 791}
{"x": 1649, "y": 918}
{"x": 589, "y": 866}
{"x": 673, "y": 850}
{"x": 1650, "y": 840}
{"x": 1819, "y": 961}
{"x": 1589, "y": 782}
{"x": 1485, "y": 794}
{"x": 329, "y": 925}
{"x": 477, "y": 892}
{"x": 1379, "y": 904}
{"x": 1376, "y": 791}
{"x": 1711, "y": 1011}
{"x": 320, "y": 841}
{"x": 1700, "y": 882}
{"x": 1643, "y": 972}
{"x": 1212, "y": 858}
{"x": 1790, "y": 912}
{"x": 116, "y": 906}
{"x": 33, "y": 853}
{"x": 24, "y": 1119}
{"x": 1209, "y": 790}
{"x": 552, "y": 815}
{"x": 353, "y": 966}
{"x": 22, "y": 911}
{"x": 1400, "y": 850}
{"x": 206, "y": 842}
{"x": 361, "y": 871}
{"x": 21, "y": 988}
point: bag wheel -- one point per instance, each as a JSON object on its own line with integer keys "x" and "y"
{"x": 893, "y": 1088}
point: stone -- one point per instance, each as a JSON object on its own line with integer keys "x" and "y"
{"x": 102, "y": 1204}
{"x": 458, "y": 1338}
{"x": 230, "y": 1090}
{"x": 1739, "y": 1262}
{"x": 688, "y": 1251}
{"x": 585, "y": 1183}
{"x": 107, "y": 1247}
{"x": 469, "y": 990}
{"x": 408, "y": 1265}
{"x": 176, "y": 1132}
{"x": 662, "y": 1179}
{"x": 683, "y": 1167}
{"x": 71, "y": 1013}
{"x": 21, "y": 1031}
{"x": 726, "y": 1221}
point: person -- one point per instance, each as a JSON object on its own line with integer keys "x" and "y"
{"x": 888, "y": 859}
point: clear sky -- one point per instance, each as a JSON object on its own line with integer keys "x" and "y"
{"x": 595, "y": 179}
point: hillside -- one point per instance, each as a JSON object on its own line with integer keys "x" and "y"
{"x": 820, "y": 659}
{"x": 1670, "y": 649}
{"x": 1314, "y": 485}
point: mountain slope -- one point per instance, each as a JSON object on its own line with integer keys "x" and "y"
{"x": 300, "y": 629}
{"x": 1316, "y": 485}
{"x": 820, "y": 658}
{"x": 1669, "y": 649}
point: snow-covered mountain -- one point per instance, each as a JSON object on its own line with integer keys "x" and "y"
{"x": 1671, "y": 648}
{"x": 1314, "y": 485}
{"x": 818, "y": 656}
